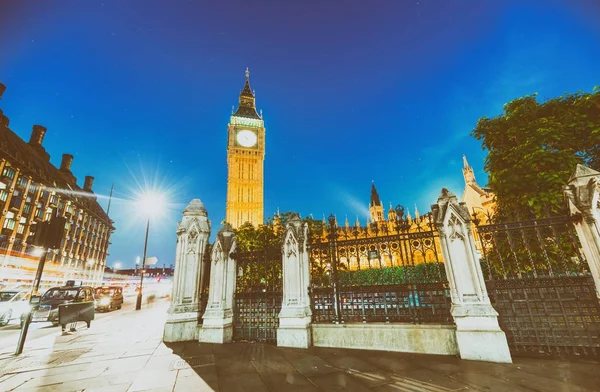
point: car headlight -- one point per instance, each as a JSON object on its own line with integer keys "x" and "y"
{"x": 105, "y": 301}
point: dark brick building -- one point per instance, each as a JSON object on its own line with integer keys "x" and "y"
{"x": 31, "y": 191}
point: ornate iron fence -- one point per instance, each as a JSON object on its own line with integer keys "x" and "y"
{"x": 540, "y": 284}
{"x": 258, "y": 295}
{"x": 389, "y": 272}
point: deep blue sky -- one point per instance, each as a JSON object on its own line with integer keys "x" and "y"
{"x": 352, "y": 91}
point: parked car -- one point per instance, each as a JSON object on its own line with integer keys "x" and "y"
{"x": 108, "y": 297}
{"x": 13, "y": 304}
{"x": 49, "y": 302}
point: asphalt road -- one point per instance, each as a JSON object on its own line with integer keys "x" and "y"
{"x": 9, "y": 335}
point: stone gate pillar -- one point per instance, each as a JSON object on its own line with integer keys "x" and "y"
{"x": 478, "y": 334}
{"x": 217, "y": 326}
{"x": 192, "y": 236}
{"x": 295, "y": 316}
{"x": 583, "y": 197}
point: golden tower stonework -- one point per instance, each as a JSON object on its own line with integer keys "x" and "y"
{"x": 245, "y": 162}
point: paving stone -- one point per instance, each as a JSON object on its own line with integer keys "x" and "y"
{"x": 44, "y": 380}
{"x": 196, "y": 382}
{"x": 137, "y": 353}
{"x": 162, "y": 362}
{"x": 338, "y": 381}
{"x": 12, "y": 381}
{"x": 125, "y": 365}
{"x": 292, "y": 381}
{"x": 307, "y": 364}
{"x": 242, "y": 382}
{"x": 123, "y": 387}
{"x": 153, "y": 379}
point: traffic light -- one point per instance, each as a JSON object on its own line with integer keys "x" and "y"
{"x": 41, "y": 232}
{"x": 49, "y": 234}
{"x": 55, "y": 232}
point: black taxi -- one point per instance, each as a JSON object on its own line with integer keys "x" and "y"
{"x": 108, "y": 297}
{"x": 72, "y": 292}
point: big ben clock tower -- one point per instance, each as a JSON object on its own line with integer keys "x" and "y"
{"x": 245, "y": 162}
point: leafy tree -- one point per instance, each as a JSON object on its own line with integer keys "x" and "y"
{"x": 251, "y": 238}
{"x": 259, "y": 253}
{"x": 534, "y": 147}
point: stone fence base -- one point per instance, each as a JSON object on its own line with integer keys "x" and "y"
{"x": 408, "y": 338}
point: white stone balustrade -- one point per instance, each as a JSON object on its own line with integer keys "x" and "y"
{"x": 193, "y": 233}
{"x": 295, "y": 316}
{"x": 217, "y": 324}
{"x": 583, "y": 196}
{"x": 478, "y": 334}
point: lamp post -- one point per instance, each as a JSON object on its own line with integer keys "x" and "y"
{"x": 150, "y": 204}
{"x": 138, "y": 304}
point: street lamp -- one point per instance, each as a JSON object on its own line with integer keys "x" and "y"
{"x": 150, "y": 204}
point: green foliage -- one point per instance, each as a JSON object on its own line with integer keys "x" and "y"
{"x": 270, "y": 235}
{"x": 420, "y": 273}
{"x": 534, "y": 147}
{"x": 261, "y": 269}
{"x": 250, "y": 238}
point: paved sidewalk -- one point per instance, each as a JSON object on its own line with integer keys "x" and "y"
{"x": 126, "y": 354}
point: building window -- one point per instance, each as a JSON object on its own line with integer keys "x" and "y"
{"x": 8, "y": 172}
{"x": 16, "y": 200}
{"x": 21, "y": 228}
{"x": 32, "y": 188}
{"x": 3, "y": 195}
{"x": 9, "y": 222}
{"x": 27, "y": 208}
{"x": 22, "y": 181}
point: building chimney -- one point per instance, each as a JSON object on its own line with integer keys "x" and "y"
{"x": 65, "y": 168}
{"x": 2, "y": 89}
{"x": 87, "y": 185}
{"x": 67, "y": 161}
{"x": 37, "y": 135}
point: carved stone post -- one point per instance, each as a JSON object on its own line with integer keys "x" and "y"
{"x": 217, "y": 326}
{"x": 192, "y": 236}
{"x": 295, "y": 316}
{"x": 478, "y": 334}
{"x": 583, "y": 195}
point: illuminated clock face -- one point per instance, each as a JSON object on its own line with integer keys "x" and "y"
{"x": 246, "y": 138}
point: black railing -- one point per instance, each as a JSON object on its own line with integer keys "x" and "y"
{"x": 539, "y": 283}
{"x": 258, "y": 295}
{"x": 389, "y": 272}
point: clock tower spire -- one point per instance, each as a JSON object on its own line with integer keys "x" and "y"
{"x": 245, "y": 162}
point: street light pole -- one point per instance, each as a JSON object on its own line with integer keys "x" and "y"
{"x": 34, "y": 292}
{"x": 138, "y": 304}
